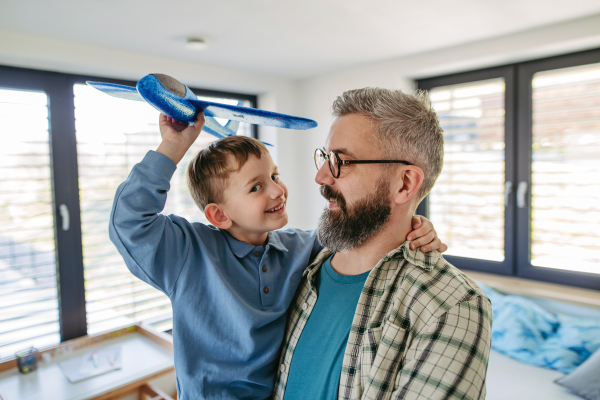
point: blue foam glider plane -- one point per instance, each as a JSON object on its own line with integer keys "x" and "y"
{"x": 177, "y": 101}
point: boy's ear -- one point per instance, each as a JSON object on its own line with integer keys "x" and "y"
{"x": 216, "y": 216}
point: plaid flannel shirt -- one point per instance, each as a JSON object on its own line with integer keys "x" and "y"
{"x": 422, "y": 330}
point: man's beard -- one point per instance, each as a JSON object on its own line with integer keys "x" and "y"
{"x": 345, "y": 229}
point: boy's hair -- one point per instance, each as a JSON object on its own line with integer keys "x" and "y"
{"x": 208, "y": 172}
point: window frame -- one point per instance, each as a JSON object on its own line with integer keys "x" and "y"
{"x": 504, "y": 267}
{"x": 524, "y": 268}
{"x": 65, "y": 179}
{"x": 518, "y": 159}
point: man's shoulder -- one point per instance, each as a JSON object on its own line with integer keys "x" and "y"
{"x": 428, "y": 293}
{"x": 444, "y": 279}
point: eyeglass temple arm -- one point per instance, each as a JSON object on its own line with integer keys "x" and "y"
{"x": 375, "y": 162}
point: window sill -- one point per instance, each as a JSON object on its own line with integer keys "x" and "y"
{"x": 537, "y": 289}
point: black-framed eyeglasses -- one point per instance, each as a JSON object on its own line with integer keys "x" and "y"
{"x": 335, "y": 162}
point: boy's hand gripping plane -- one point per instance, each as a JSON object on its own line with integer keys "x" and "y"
{"x": 177, "y": 101}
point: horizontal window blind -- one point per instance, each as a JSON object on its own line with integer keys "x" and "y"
{"x": 565, "y": 224}
{"x": 112, "y": 136}
{"x": 28, "y": 284}
{"x": 466, "y": 204}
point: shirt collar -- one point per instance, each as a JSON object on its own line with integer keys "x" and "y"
{"x": 241, "y": 249}
{"x": 312, "y": 269}
{"x": 425, "y": 261}
{"x": 276, "y": 243}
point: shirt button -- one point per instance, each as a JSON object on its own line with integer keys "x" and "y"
{"x": 304, "y": 306}
{"x": 264, "y": 268}
{"x": 256, "y": 254}
{"x": 266, "y": 290}
{"x": 282, "y": 368}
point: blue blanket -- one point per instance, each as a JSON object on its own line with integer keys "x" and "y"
{"x": 526, "y": 332}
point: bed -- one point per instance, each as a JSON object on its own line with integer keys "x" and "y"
{"x": 509, "y": 379}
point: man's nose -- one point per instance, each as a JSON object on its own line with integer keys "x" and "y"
{"x": 324, "y": 177}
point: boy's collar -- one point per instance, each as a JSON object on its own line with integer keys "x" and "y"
{"x": 241, "y": 249}
{"x": 275, "y": 242}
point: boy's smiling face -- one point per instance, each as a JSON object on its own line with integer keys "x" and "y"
{"x": 255, "y": 201}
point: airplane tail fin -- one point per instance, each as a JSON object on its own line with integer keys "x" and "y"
{"x": 234, "y": 125}
{"x": 212, "y": 127}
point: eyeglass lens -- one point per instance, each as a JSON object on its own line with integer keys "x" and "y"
{"x": 333, "y": 165}
{"x": 319, "y": 157}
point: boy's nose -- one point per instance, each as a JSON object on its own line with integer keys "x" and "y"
{"x": 276, "y": 191}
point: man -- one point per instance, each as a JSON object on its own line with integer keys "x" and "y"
{"x": 373, "y": 319}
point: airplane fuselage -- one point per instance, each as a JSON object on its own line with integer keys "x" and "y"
{"x": 168, "y": 96}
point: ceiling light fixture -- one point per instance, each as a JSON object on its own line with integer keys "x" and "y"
{"x": 196, "y": 44}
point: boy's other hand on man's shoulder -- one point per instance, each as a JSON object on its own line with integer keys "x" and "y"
{"x": 424, "y": 236}
{"x": 177, "y": 138}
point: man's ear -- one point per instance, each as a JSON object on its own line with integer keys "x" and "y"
{"x": 411, "y": 179}
{"x": 216, "y": 216}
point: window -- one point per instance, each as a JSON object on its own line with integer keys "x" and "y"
{"x": 565, "y": 178}
{"x": 520, "y": 190}
{"x": 467, "y": 199}
{"x": 28, "y": 286}
{"x": 60, "y": 276}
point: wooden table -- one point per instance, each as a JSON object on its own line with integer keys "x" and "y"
{"x": 145, "y": 355}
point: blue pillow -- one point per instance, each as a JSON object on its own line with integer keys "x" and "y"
{"x": 585, "y": 380}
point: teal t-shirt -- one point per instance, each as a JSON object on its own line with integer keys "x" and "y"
{"x": 317, "y": 361}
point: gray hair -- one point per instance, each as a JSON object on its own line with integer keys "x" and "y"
{"x": 406, "y": 127}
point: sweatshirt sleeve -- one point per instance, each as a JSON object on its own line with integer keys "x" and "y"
{"x": 154, "y": 246}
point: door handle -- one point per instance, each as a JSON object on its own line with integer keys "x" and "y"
{"x": 521, "y": 193}
{"x": 64, "y": 214}
{"x": 507, "y": 191}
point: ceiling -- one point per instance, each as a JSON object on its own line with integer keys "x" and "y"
{"x": 281, "y": 37}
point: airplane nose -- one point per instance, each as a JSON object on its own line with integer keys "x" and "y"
{"x": 171, "y": 84}
{"x": 168, "y": 96}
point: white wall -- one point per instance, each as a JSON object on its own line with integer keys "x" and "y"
{"x": 315, "y": 95}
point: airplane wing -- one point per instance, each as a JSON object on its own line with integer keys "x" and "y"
{"x": 253, "y": 115}
{"x": 120, "y": 91}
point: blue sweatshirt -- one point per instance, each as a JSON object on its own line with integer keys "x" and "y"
{"x": 229, "y": 297}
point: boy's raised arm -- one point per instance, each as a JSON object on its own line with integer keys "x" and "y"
{"x": 154, "y": 246}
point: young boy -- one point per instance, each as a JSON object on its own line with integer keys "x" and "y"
{"x": 231, "y": 283}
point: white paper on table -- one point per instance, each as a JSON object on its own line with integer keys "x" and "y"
{"x": 84, "y": 367}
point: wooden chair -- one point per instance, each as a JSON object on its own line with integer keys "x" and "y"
{"x": 149, "y": 392}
